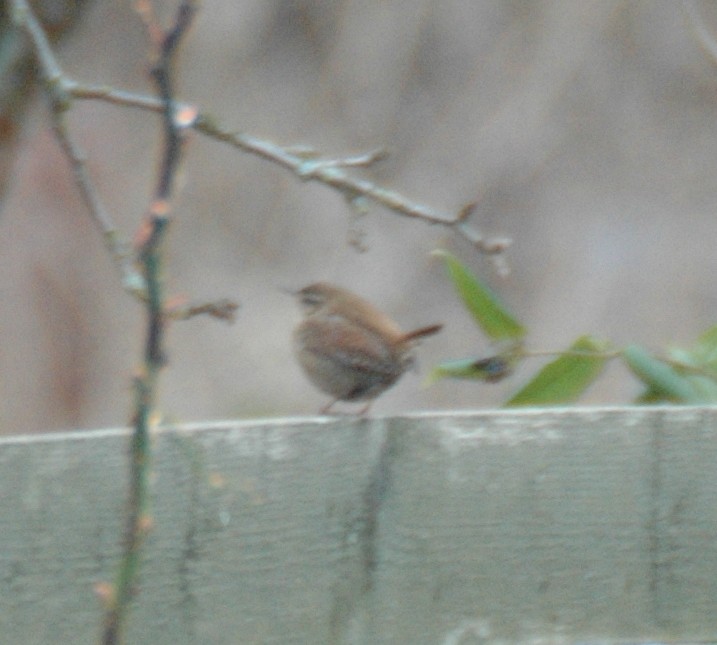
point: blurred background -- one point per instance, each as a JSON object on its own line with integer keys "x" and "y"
{"x": 586, "y": 130}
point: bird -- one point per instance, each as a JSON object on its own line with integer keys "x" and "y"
{"x": 348, "y": 348}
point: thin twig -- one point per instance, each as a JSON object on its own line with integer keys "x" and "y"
{"x": 306, "y": 165}
{"x": 111, "y": 95}
{"x": 61, "y": 90}
{"x": 161, "y": 73}
{"x": 59, "y": 99}
{"x": 23, "y": 16}
{"x": 333, "y": 174}
{"x": 356, "y": 161}
{"x": 223, "y": 309}
{"x": 150, "y": 242}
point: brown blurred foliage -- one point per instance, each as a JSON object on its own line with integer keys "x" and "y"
{"x": 586, "y": 130}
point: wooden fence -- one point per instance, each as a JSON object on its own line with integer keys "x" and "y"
{"x": 536, "y": 526}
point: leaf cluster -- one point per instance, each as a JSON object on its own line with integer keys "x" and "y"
{"x": 681, "y": 375}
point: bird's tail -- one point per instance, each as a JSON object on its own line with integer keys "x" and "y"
{"x": 423, "y": 331}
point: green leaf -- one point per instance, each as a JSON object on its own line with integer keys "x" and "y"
{"x": 684, "y": 357}
{"x": 490, "y": 369}
{"x": 662, "y": 380}
{"x": 705, "y": 387}
{"x": 650, "y": 397}
{"x": 492, "y": 317}
{"x": 566, "y": 378}
{"x": 707, "y": 343}
{"x": 704, "y": 352}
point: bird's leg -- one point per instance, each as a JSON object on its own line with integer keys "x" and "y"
{"x": 326, "y": 408}
{"x": 364, "y": 410}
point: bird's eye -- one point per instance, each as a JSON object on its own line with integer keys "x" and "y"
{"x": 312, "y": 299}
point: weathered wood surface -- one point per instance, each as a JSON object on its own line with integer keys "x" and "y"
{"x": 566, "y": 526}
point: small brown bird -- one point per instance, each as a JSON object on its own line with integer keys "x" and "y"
{"x": 348, "y": 348}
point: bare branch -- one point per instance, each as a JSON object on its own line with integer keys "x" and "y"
{"x": 332, "y": 174}
{"x": 150, "y": 242}
{"x": 223, "y": 309}
{"x": 23, "y": 16}
{"x": 357, "y": 161}
{"x": 111, "y": 95}
{"x": 303, "y": 162}
{"x": 306, "y": 165}
{"x": 59, "y": 99}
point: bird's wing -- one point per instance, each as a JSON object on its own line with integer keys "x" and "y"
{"x": 344, "y": 341}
